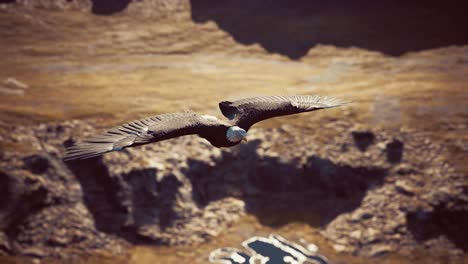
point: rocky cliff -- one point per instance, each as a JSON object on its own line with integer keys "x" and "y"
{"x": 376, "y": 191}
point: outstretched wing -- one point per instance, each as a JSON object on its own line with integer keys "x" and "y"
{"x": 148, "y": 130}
{"x": 246, "y": 112}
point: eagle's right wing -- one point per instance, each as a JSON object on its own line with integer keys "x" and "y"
{"x": 148, "y": 130}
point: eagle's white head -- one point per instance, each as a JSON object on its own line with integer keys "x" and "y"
{"x": 236, "y": 134}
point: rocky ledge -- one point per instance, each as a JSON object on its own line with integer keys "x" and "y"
{"x": 376, "y": 191}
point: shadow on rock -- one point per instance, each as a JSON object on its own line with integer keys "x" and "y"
{"x": 300, "y": 25}
{"x": 99, "y": 192}
{"x": 145, "y": 204}
{"x": 122, "y": 202}
{"x": 450, "y": 223}
{"x": 279, "y": 191}
{"x": 140, "y": 204}
{"x": 18, "y": 200}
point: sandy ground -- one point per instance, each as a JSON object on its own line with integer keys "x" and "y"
{"x": 71, "y": 65}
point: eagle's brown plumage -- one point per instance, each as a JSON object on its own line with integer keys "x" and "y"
{"x": 144, "y": 131}
{"x": 246, "y": 112}
{"x": 242, "y": 113}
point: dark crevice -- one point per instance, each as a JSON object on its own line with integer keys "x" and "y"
{"x": 6, "y": 191}
{"x": 106, "y": 7}
{"x": 37, "y": 164}
{"x": 394, "y": 151}
{"x": 363, "y": 139}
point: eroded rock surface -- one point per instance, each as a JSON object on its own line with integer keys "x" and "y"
{"x": 397, "y": 193}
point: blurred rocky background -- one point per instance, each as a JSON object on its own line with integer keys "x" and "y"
{"x": 381, "y": 179}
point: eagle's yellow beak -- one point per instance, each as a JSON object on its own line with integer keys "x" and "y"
{"x": 244, "y": 139}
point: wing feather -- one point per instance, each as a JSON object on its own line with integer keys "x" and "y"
{"x": 246, "y": 112}
{"x": 139, "y": 132}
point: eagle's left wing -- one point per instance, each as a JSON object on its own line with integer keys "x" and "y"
{"x": 246, "y": 112}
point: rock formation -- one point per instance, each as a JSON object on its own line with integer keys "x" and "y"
{"x": 393, "y": 195}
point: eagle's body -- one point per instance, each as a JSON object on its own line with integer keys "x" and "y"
{"x": 217, "y": 133}
{"x": 241, "y": 114}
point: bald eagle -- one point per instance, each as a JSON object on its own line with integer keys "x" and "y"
{"x": 241, "y": 115}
